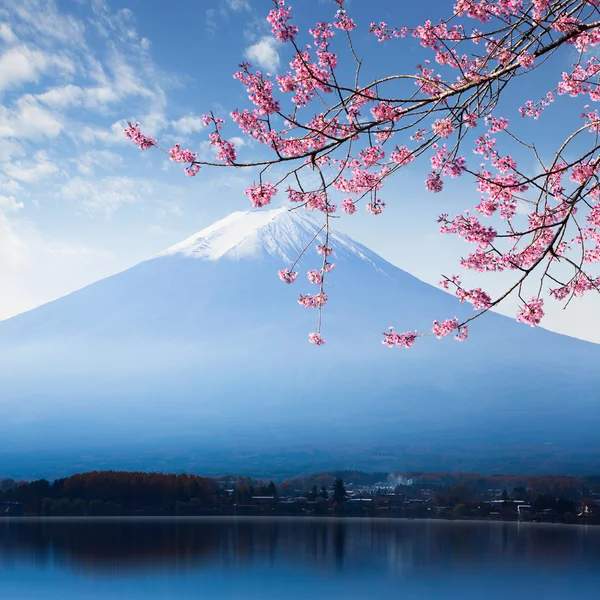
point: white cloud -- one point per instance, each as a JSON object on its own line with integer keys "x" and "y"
{"x": 189, "y": 124}
{"x": 23, "y": 64}
{"x": 90, "y": 161}
{"x": 10, "y": 148}
{"x": 153, "y": 122}
{"x": 112, "y": 135}
{"x": 124, "y": 84}
{"x": 106, "y": 195}
{"x": 239, "y": 5}
{"x": 62, "y": 86}
{"x": 11, "y": 186}
{"x": 28, "y": 120}
{"x": 29, "y": 172}
{"x": 237, "y": 141}
{"x": 62, "y": 97}
{"x": 9, "y": 204}
{"x": 264, "y": 53}
{"x": 6, "y": 34}
{"x": 40, "y": 20}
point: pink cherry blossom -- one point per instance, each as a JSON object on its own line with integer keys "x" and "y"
{"x": 443, "y": 127}
{"x": 348, "y": 206}
{"x": 403, "y": 340}
{"x": 315, "y": 338}
{"x": 260, "y": 195}
{"x": 316, "y": 301}
{"x": 279, "y": 19}
{"x": 315, "y": 277}
{"x": 179, "y": 155}
{"x": 287, "y": 275}
{"x": 532, "y": 312}
{"x": 444, "y": 328}
{"x": 133, "y": 133}
{"x": 434, "y": 182}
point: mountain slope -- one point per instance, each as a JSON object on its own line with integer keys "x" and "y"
{"x": 203, "y": 350}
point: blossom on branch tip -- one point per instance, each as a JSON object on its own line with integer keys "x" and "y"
{"x": 179, "y": 155}
{"x": 348, "y": 206}
{"x": 279, "y": 18}
{"x": 376, "y": 207}
{"x": 402, "y": 340}
{"x": 443, "y": 127}
{"x": 315, "y": 277}
{"x": 532, "y": 312}
{"x": 287, "y": 275}
{"x": 434, "y": 182}
{"x": 316, "y": 339}
{"x": 444, "y": 328}
{"x": 192, "y": 170}
{"x": 316, "y": 301}
{"x": 463, "y": 333}
{"x": 133, "y": 133}
{"x": 325, "y": 250}
{"x": 260, "y": 195}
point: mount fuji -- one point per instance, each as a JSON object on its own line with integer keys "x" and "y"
{"x": 198, "y": 360}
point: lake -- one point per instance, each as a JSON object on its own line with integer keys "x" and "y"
{"x": 245, "y": 558}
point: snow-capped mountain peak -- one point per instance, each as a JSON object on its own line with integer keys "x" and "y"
{"x": 281, "y": 233}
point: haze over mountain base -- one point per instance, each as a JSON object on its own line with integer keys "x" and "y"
{"x": 198, "y": 360}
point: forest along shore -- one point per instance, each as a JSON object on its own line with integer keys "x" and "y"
{"x": 549, "y": 498}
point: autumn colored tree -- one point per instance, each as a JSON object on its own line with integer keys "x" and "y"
{"x": 536, "y": 211}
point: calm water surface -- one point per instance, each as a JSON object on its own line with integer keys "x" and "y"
{"x": 229, "y": 558}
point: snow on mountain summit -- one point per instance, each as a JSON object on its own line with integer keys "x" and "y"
{"x": 281, "y": 233}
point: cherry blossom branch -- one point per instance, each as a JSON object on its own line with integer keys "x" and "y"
{"x": 351, "y": 150}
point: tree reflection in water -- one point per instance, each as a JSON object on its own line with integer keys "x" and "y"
{"x": 116, "y": 545}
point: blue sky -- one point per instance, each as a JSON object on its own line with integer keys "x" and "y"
{"x": 78, "y": 202}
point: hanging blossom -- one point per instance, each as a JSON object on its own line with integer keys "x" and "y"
{"x": 324, "y": 250}
{"x": 454, "y": 167}
{"x": 260, "y": 195}
{"x": 532, "y": 312}
{"x": 376, "y": 206}
{"x": 315, "y": 277}
{"x": 287, "y": 275}
{"x": 315, "y": 338}
{"x": 434, "y": 182}
{"x": 348, "y": 206}
{"x": 316, "y": 301}
{"x": 179, "y": 155}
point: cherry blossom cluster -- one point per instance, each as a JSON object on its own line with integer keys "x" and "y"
{"x": 260, "y": 195}
{"x": 133, "y": 133}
